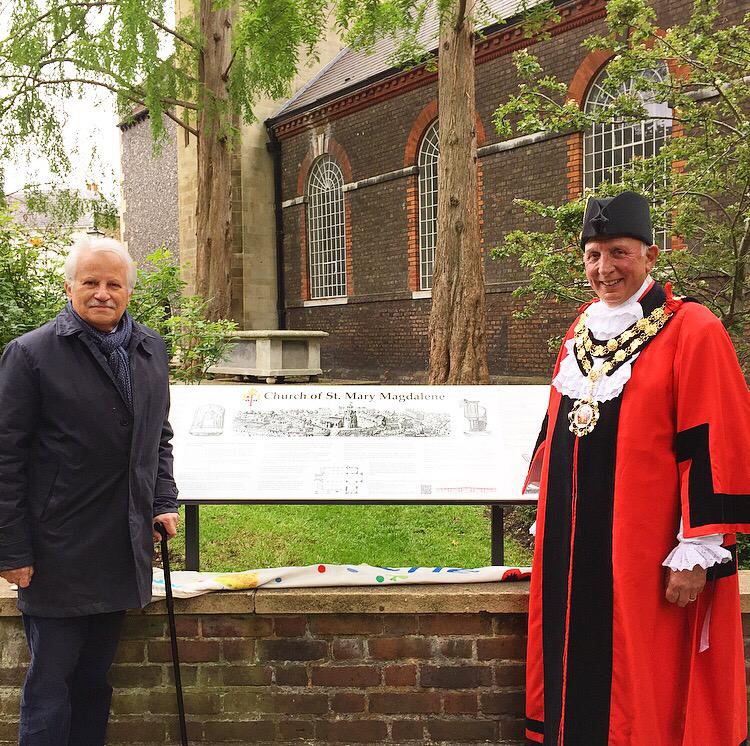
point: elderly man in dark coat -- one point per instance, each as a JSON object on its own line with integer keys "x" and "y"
{"x": 85, "y": 472}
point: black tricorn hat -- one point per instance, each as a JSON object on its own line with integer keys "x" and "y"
{"x": 626, "y": 214}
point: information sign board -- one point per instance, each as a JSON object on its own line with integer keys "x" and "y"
{"x": 349, "y": 444}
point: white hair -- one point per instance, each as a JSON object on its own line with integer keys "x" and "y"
{"x": 87, "y": 245}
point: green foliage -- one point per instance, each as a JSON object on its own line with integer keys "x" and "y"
{"x": 193, "y": 341}
{"x": 700, "y": 180}
{"x": 270, "y": 40}
{"x": 743, "y": 551}
{"x": 32, "y": 293}
{"x": 364, "y": 22}
{"x": 55, "y": 49}
{"x": 197, "y": 341}
{"x": 157, "y": 291}
{"x": 31, "y": 281}
{"x": 551, "y": 257}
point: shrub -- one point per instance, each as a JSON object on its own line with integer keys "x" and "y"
{"x": 31, "y": 279}
{"x": 198, "y": 343}
{"x": 157, "y": 292}
{"x": 193, "y": 341}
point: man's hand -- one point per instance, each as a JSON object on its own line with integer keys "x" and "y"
{"x": 21, "y": 576}
{"x": 169, "y": 521}
{"x": 683, "y": 586}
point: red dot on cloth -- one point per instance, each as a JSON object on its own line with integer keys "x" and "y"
{"x": 321, "y": 568}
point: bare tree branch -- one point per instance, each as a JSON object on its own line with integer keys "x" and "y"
{"x": 460, "y": 16}
{"x": 225, "y": 74}
{"x": 175, "y": 33}
{"x": 128, "y": 94}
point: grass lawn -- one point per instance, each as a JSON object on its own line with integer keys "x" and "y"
{"x": 242, "y": 537}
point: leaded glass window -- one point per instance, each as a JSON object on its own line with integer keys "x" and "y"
{"x": 326, "y": 229}
{"x": 428, "y": 200}
{"x": 608, "y": 148}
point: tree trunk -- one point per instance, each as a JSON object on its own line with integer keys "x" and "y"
{"x": 213, "y": 259}
{"x": 458, "y": 346}
{"x": 737, "y": 303}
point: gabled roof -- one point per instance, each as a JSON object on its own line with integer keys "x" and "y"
{"x": 350, "y": 69}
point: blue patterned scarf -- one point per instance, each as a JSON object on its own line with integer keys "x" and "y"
{"x": 114, "y": 347}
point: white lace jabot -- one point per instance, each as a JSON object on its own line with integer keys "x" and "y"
{"x": 604, "y": 322}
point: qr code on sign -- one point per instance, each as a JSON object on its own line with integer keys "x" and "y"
{"x": 426, "y": 489}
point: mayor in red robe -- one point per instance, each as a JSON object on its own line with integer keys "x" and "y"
{"x": 644, "y": 446}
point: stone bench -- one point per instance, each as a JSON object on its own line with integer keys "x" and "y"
{"x": 273, "y": 354}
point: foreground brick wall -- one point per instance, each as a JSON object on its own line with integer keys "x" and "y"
{"x": 409, "y": 665}
{"x": 347, "y": 678}
{"x": 268, "y": 671}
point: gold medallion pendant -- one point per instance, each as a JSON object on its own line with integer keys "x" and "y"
{"x": 583, "y": 417}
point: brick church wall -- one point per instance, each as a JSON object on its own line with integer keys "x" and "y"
{"x": 381, "y": 330}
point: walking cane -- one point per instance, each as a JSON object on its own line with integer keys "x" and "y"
{"x": 172, "y": 631}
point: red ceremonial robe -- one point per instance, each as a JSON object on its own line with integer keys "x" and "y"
{"x": 610, "y": 661}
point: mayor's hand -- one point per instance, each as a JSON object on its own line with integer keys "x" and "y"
{"x": 169, "y": 521}
{"x": 21, "y": 576}
{"x": 684, "y": 586}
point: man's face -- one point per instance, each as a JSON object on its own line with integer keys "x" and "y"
{"x": 617, "y": 267}
{"x": 99, "y": 292}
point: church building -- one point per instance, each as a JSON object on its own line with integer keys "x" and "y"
{"x": 357, "y": 151}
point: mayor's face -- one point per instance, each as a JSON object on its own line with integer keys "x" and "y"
{"x": 99, "y": 292}
{"x": 617, "y": 267}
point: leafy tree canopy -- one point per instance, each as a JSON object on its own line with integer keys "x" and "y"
{"x": 55, "y": 48}
{"x": 62, "y": 207}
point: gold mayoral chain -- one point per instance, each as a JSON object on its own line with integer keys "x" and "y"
{"x": 615, "y": 352}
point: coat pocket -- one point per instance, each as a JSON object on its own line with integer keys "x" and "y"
{"x": 44, "y": 490}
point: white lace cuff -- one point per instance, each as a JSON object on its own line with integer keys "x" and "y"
{"x": 687, "y": 554}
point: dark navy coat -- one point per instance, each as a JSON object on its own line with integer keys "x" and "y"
{"x": 80, "y": 476}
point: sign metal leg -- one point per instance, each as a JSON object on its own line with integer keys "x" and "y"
{"x": 498, "y": 550}
{"x": 192, "y": 537}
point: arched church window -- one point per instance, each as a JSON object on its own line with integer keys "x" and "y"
{"x": 608, "y": 148}
{"x": 428, "y": 197}
{"x": 326, "y": 229}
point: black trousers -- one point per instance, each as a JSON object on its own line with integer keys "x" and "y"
{"x": 66, "y": 696}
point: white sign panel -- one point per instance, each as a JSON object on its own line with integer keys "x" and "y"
{"x": 311, "y": 443}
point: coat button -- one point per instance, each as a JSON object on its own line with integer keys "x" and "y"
{"x": 124, "y": 422}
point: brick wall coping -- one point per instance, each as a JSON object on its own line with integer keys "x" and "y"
{"x": 467, "y": 598}
{"x": 276, "y": 334}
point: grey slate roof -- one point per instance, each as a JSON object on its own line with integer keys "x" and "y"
{"x": 350, "y": 69}
{"x": 41, "y": 221}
